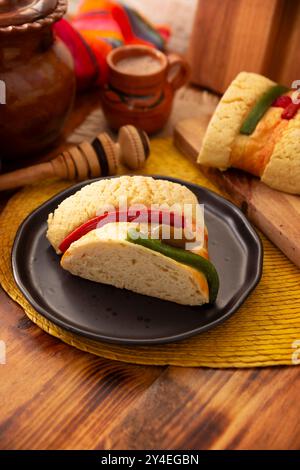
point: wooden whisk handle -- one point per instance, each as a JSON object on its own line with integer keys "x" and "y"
{"x": 87, "y": 160}
{"x": 35, "y": 173}
{"x": 29, "y": 175}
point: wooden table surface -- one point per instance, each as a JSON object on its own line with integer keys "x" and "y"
{"x": 55, "y": 397}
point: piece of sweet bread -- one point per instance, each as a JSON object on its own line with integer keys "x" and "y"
{"x": 271, "y": 148}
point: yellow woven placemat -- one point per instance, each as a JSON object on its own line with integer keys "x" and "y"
{"x": 265, "y": 331}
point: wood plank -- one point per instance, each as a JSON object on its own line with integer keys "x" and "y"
{"x": 57, "y": 397}
{"x": 230, "y": 36}
{"x": 211, "y": 409}
{"x": 284, "y": 66}
{"x": 275, "y": 213}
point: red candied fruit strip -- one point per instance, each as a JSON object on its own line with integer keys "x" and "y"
{"x": 290, "y": 111}
{"x": 154, "y": 216}
{"x": 282, "y": 102}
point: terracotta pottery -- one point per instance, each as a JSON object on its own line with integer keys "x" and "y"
{"x": 37, "y": 77}
{"x": 141, "y": 86}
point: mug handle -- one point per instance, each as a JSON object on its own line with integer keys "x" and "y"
{"x": 178, "y": 72}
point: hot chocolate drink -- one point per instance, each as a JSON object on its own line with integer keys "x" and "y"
{"x": 139, "y": 65}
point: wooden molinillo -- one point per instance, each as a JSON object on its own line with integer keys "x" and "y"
{"x": 87, "y": 160}
{"x": 275, "y": 213}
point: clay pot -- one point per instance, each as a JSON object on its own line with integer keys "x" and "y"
{"x": 143, "y": 98}
{"x": 37, "y": 76}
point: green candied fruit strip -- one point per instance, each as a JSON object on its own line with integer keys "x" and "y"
{"x": 185, "y": 257}
{"x": 260, "y": 108}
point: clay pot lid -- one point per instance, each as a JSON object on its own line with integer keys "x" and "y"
{"x": 22, "y": 15}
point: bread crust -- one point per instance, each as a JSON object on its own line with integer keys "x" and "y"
{"x": 93, "y": 198}
{"x": 283, "y": 170}
{"x": 100, "y": 257}
{"x": 228, "y": 117}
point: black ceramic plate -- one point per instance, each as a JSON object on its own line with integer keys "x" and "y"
{"x": 106, "y": 313}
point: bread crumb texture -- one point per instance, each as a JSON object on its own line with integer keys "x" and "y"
{"x": 96, "y": 197}
{"x": 228, "y": 117}
{"x": 103, "y": 255}
{"x": 283, "y": 169}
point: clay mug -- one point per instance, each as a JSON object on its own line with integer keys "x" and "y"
{"x": 142, "y": 82}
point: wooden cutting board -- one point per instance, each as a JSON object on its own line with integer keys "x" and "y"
{"x": 275, "y": 213}
{"x": 234, "y": 35}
